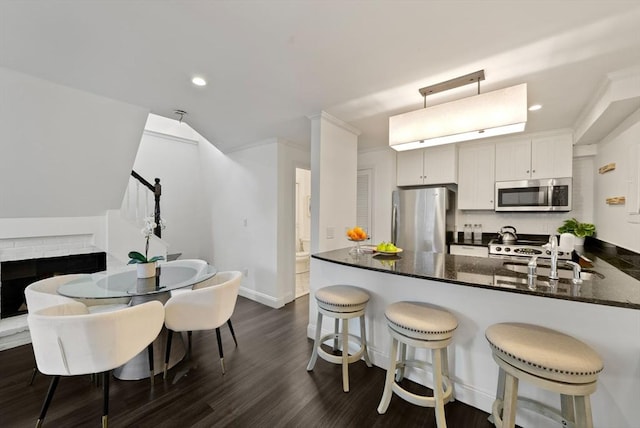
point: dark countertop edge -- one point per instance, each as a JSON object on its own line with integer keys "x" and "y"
{"x": 624, "y": 305}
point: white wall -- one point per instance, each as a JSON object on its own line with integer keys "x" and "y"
{"x": 65, "y": 153}
{"x": 290, "y": 157}
{"x": 244, "y": 216}
{"x": 383, "y": 164}
{"x": 65, "y": 160}
{"x": 174, "y": 159}
{"x": 334, "y": 169}
{"x": 251, "y": 198}
{"x": 612, "y": 220}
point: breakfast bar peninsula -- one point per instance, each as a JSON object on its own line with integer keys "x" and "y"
{"x": 603, "y": 311}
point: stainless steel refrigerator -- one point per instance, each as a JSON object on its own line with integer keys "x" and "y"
{"x": 422, "y": 217}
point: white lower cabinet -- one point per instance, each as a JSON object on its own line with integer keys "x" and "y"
{"x": 468, "y": 250}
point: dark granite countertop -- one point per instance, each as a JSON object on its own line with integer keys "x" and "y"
{"x": 605, "y": 285}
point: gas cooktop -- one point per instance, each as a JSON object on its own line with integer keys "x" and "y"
{"x": 524, "y": 248}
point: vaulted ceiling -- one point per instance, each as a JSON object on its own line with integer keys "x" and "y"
{"x": 270, "y": 64}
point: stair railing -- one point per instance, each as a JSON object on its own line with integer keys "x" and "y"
{"x": 156, "y": 189}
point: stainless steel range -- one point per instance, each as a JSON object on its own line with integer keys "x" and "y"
{"x": 523, "y": 248}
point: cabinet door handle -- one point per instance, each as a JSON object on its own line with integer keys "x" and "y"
{"x": 527, "y": 171}
{"x": 533, "y": 171}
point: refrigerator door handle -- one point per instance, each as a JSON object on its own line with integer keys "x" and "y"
{"x": 394, "y": 224}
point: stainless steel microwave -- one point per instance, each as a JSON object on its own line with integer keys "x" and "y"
{"x": 553, "y": 194}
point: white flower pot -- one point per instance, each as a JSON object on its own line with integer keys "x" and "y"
{"x": 578, "y": 242}
{"x": 146, "y": 270}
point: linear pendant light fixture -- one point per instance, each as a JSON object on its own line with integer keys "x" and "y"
{"x": 480, "y": 116}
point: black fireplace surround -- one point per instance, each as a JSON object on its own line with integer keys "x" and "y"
{"x": 16, "y": 275}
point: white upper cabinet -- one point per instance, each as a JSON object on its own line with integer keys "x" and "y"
{"x": 433, "y": 165}
{"x": 513, "y": 160}
{"x": 476, "y": 176}
{"x": 534, "y": 158}
{"x": 552, "y": 157}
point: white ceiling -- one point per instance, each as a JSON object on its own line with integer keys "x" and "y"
{"x": 270, "y": 64}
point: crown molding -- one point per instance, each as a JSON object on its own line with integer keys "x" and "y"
{"x": 335, "y": 121}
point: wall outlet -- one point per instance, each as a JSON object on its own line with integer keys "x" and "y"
{"x": 331, "y": 232}
{"x": 245, "y": 272}
{"x": 245, "y": 222}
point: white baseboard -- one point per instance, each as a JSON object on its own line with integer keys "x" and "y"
{"x": 262, "y": 298}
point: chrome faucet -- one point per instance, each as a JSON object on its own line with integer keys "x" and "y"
{"x": 576, "y": 272}
{"x": 552, "y": 247}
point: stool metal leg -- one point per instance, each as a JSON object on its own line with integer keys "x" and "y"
{"x": 583, "y": 411}
{"x": 402, "y": 359}
{"x": 363, "y": 339}
{"x": 388, "y": 382}
{"x": 510, "y": 401}
{"x": 316, "y": 343}
{"x": 445, "y": 372}
{"x": 567, "y": 409}
{"x": 498, "y": 403}
{"x": 438, "y": 391}
{"x": 336, "y": 331}
{"x": 345, "y": 355}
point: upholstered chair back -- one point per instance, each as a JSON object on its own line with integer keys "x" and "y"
{"x": 206, "y": 307}
{"x": 68, "y": 340}
{"x": 44, "y": 293}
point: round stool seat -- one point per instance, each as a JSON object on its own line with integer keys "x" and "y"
{"x": 544, "y": 352}
{"x": 342, "y": 298}
{"x": 421, "y": 321}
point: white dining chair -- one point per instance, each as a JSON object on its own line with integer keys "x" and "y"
{"x": 200, "y": 266}
{"x": 206, "y": 307}
{"x": 44, "y": 294}
{"x": 68, "y": 340}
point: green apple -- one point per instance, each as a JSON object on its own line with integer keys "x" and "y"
{"x": 390, "y": 248}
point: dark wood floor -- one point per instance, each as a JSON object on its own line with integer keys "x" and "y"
{"x": 266, "y": 385}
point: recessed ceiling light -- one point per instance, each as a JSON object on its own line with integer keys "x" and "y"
{"x": 535, "y": 107}
{"x": 198, "y": 81}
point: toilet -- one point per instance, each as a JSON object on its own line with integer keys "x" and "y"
{"x": 302, "y": 256}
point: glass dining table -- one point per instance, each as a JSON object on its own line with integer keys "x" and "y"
{"x": 179, "y": 274}
{"x": 125, "y": 283}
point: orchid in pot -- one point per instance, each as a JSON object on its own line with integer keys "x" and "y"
{"x": 146, "y": 266}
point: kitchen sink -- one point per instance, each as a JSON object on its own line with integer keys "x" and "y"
{"x": 563, "y": 270}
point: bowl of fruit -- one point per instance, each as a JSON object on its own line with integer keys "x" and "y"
{"x": 357, "y": 235}
{"x": 387, "y": 249}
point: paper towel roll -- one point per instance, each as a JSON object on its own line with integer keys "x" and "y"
{"x": 566, "y": 242}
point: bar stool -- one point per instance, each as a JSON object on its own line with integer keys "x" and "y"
{"x": 419, "y": 325}
{"x": 341, "y": 302}
{"x": 547, "y": 359}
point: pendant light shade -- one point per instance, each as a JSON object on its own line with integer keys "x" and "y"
{"x": 485, "y": 115}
